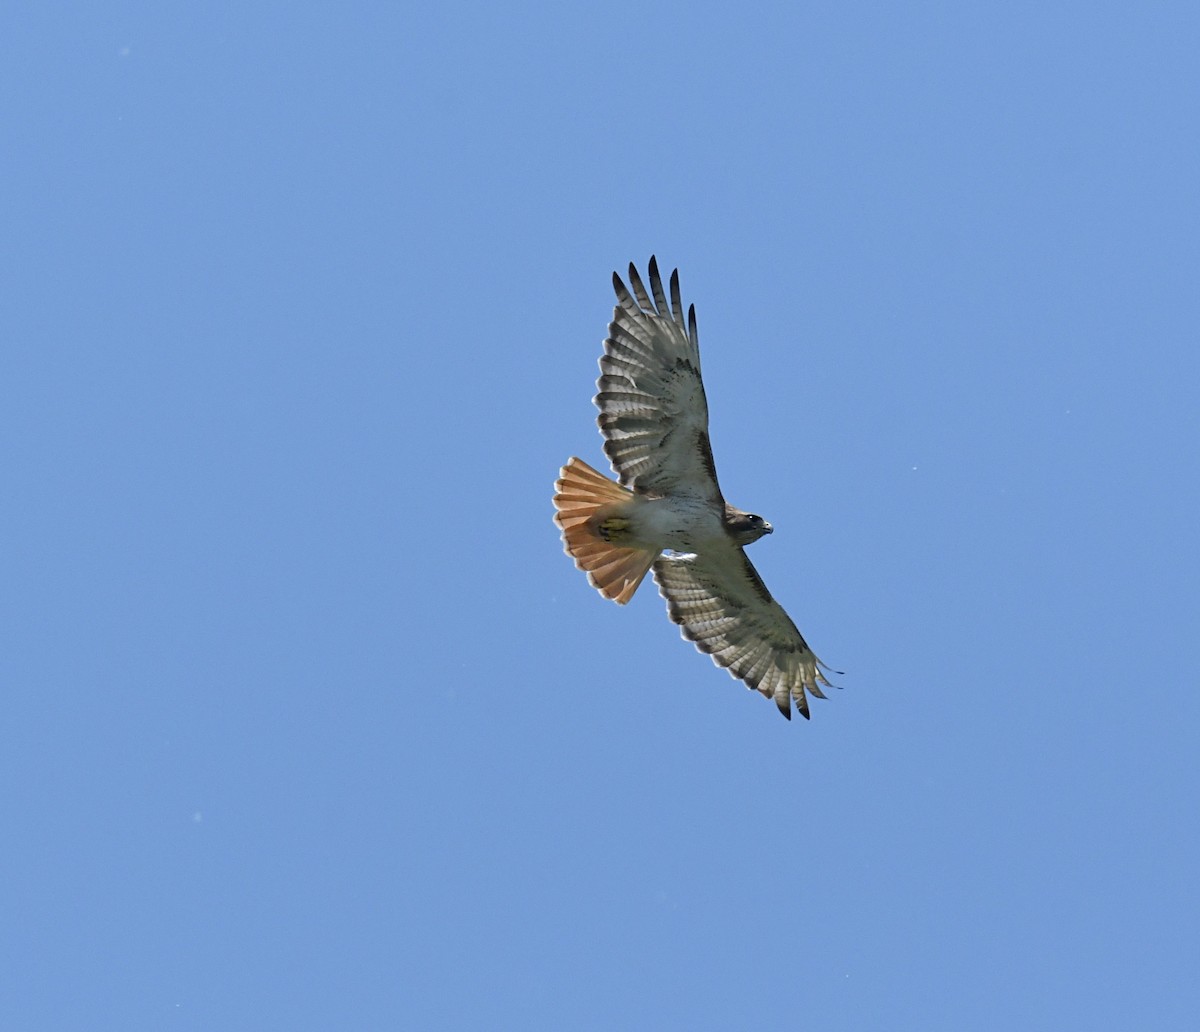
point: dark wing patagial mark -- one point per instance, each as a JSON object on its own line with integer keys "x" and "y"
{"x": 706, "y": 455}
{"x": 653, "y": 412}
{"x": 756, "y": 583}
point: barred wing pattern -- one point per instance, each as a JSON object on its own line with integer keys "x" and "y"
{"x": 722, "y": 605}
{"x": 653, "y": 412}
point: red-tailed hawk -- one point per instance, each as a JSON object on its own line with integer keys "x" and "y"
{"x": 667, "y": 512}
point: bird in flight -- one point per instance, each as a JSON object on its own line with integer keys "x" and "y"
{"x": 667, "y": 513}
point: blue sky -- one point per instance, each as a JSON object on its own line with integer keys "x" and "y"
{"x": 309, "y": 722}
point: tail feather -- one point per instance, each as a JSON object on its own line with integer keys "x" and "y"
{"x": 582, "y": 497}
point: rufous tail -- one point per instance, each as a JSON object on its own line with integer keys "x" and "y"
{"x": 584, "y": 498}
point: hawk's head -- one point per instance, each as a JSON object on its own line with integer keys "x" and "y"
{"x": 745, "y": 527}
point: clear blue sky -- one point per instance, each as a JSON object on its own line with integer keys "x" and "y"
{"x": 309, "y": 723}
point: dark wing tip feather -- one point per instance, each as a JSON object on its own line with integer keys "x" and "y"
{"x": 676, "y": 298}
{"x": 656, "y": 288}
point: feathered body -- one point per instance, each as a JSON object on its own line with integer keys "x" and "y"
{"x": 654, "y": 419}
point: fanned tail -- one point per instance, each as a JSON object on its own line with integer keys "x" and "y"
{"x": 583, "y": 498}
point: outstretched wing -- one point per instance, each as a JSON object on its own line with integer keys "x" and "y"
{"x": 722, "y": 605}
{"x": 653, "y": 413}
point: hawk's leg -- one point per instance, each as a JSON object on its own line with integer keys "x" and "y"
{"x": 614, "y": 530}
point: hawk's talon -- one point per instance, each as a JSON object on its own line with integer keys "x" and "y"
{"x": 614, "y": 529}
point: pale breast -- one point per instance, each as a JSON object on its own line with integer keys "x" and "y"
{"x": 680, "y": 524}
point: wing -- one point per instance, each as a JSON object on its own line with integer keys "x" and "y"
{"x": 722, "y": 605}
{"x": 653, "y": 413}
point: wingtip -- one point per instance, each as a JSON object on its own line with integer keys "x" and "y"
{"x": 797, "y": 697}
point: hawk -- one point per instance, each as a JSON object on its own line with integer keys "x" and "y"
{"x": 667, "y": 512}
